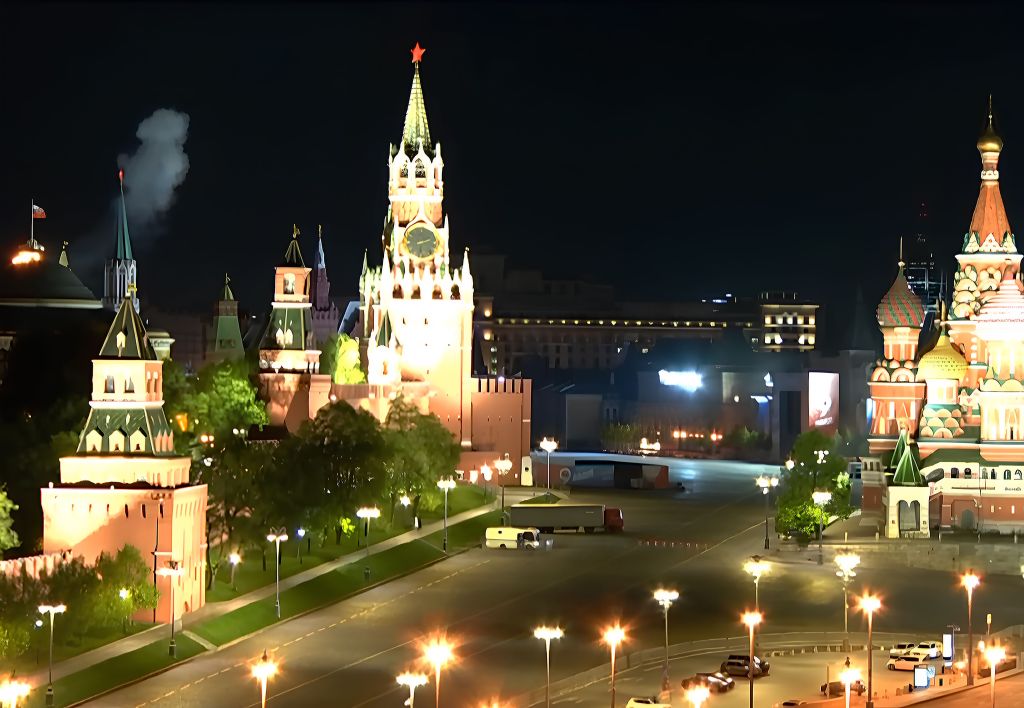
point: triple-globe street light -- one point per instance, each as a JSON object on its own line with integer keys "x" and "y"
{"x": 766, "y": 484}
{"x": 546, "y": 634}
{"x": 613, "y": 637}
{"x": 756, "y": 567}
{"x": 367, "y": 514}
{"x": 504, "y": 466}
{"x": 276, "y": 536}
{"x": 549, "y": 446}
{"x": 846, "y": 562}
{"x": 869, "y": 605}
{"x": 821, "y": 497}
{"x": 412, "y": 681}
{"x": 52, "y": 611}
{"x": 445, "y": 485}
{"x": 751, "y": 620}
{"x": 172, "y": 571}
{"x": 665, "y": 597}
{"x": 969, "y": 581}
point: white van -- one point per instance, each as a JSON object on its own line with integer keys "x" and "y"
{"x": 512, "y": 537}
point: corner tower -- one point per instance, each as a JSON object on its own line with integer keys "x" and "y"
{"x": 120, "y": 272}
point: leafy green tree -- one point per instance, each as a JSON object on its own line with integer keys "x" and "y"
{"x": 125, "y": 570}
{"x": 344, "y": 367}
{"x": 225, "y": 398}
{"x": 420, "y": 451}
{"x": 8, "y": 536}
{"x": 816, "y": 465}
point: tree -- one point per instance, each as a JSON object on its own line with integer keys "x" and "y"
{"x": 128, "y": 571}
{"x": 344, "y": 366}
{"x": 420, "y": 451}
{"x": 225, "y": 399}
{"x": 816, "y": 465}
{"x": 8, "y": 536}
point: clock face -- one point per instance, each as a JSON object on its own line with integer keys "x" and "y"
{"x": 421, "y": 241}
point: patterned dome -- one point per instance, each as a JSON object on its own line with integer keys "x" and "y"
{"x": 1006, "y": 305}
{"x": 942, "y": 362}
{"x": 900, "y": 307}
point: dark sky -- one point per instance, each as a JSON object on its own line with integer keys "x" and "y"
{"x": 672, "y": 151}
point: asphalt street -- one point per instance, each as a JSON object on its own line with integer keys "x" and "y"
{"x": 488, "y": 601}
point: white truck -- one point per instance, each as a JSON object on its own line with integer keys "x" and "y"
{"x": 512, "y": 537}
{"x": 566, "y": 517}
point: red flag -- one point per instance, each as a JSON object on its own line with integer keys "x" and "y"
{"x": 37, "y": 212}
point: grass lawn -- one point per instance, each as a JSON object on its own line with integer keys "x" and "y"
{"x": 114, "y": 672}
{"x": 342, "y": 582}
{"x": 36, "y": 657}
{"x": 250, "y": 574}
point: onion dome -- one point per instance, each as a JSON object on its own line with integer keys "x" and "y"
{"x": 1005, "y": 306}
{"x": 900, "y": 307}
{"x": 944, "y": 361}
{"x": 990, "y": 140}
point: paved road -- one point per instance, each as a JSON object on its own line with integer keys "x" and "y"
{"x": 1009, "y": 694}
{"x": 347, "y": 655}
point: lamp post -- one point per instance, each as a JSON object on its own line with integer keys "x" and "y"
{"x": 613, "y": 636}
{"x": 171, "y": 571}
{"x": 367, "y": 514}
{"x": 486, "y": 472}
{"x": 697, "y": 695}
{"x": 438, "y": 653}
{"x": 234, "y": 559}
{"x": 51, "y": 610}
{"x": 665, "y": 598}
{"x": 445, "y": 485}
{"x": 549, "y": 446}
{"x": 847, "y": 677}
{"x": 504, "y": 466}
{"x": 125, "y": 595}
{"x": 301, "y": 533}
{"x": 751, "y": 620}
{"x": 11, "y": 691}
{"x": 757, "y": 567}
{"x": 970, "y": 581}
{"x": 412, "y": 681}
{"x": 262, "y": 671}
{"x": 276, "y": 536}
{"x": 994, "y": 655}
{"x": 547, "y": 634}
{"x": 821, "y": 498}
{"x": 869, "y": 605}
{"x": 846, "y": 562}
{"x": 767, "y": 484}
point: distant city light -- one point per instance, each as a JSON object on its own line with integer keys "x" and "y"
{"x": 687, "y": 380}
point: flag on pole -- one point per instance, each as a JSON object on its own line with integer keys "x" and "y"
{"x": 37, "y": 212}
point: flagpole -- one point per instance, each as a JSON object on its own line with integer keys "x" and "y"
{"x": 32, "y": 224}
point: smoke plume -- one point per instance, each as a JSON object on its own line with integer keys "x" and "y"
{"x": 156, "y": 168}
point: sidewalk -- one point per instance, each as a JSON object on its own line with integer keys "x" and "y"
{"x": 136, "y": 641}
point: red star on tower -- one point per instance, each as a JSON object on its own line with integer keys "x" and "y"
{"x": 417, "y": 53}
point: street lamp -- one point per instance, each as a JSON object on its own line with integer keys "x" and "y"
{"x": 301, "y": 533}
{"x": 549, "y": 446}
{"x": 11, "y": 691}
{"x": 869, "y": 605}
{"x": 767, "y": 484}
{"x": 547, "y": 634}
{"x": 234, "y": 559}
{"x": 171, "y": 571}
{"x": 367, "y": 514}
{"x": 751, "y": 619}
{"x": 613, "y": 636}
{"x": 504, "y": 466}
{"x": 847, "y": 677}
{"x": 446, "y": 485}
{"x": 757, "y": 567}
{"x": 486, "y": 472}
{"x": 994, "y": 655}
{"x": 276, "y": 536}
{"x": 665, "y": 598}
{"x": 51, "y": 610}
{"x": 821, "y": 498}
{"x": 438, "y": 653}
{"x": 124, "y": 594}
{"x": 969, "y": 581}
{"x": 697, "y": 695}
{"x": 411, "y": 681}
{"x": 262, "y": 671}
{"x": 846, "y": 562}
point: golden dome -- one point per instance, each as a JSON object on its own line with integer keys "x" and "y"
{"x": 989, "y": 140}
{"x": 944, "y": 361}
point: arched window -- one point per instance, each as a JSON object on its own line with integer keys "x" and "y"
{"x": 117, "y": 440}
{"x": 129, "y": 385}
{"x": 967, "y": 473}
{"x": 1018, "y": 475}
{"x": 289, "y": 284}
{"x": 954, "y": 473}
{"x": 108, "y": 384}
{"x": 1006, "y": 474}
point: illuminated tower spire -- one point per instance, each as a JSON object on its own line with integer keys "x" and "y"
{"x": 416, "y": 132}
{"x": 120, "y": 272}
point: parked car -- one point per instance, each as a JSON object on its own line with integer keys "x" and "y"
{"x": 918, "y": 654}
{"x": 833, "y": 689}
{"x": 934, "y": 649}
{"x": 900, "y": 648}
{"x": 903, "y": 663}
{"x": 790, "y": 702}
{"x": 651, "y": 702}
{"x": 716, "y": 681}
{"x": 741, "y": 667}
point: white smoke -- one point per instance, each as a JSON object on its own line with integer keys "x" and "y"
{"x": 156, "y": 168}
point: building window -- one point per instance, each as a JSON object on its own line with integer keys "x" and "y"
{"x": 967, "y": 473}
{"x": 108, "y": 384}
{"x": 954, "y": 473}
{"x": 289, "y": 284}
{"x": 1006, "y": 474}
{"x": 1018, "y": 475}
{"x": 129, "y": 386}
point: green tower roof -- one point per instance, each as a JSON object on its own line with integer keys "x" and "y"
{"x": 226, "y": 293}
{"x": 385, "y": 331}
{"x": 127, "y": 337}
{"x": 901, "y": 446}
{"x": 907, "y": 472}
{"x": 124, "y": 241}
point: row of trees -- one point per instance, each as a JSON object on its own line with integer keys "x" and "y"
{"x": 92, "y": 594}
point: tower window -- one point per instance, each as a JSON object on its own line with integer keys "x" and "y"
{"x": 108, "y": 384}
{"x": 289, "y": 284}
{"x": 129, "y": 385}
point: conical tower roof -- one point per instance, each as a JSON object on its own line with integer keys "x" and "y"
{"x": 124, "y": 241}
{"x": 127, "y": 337}
{"x": 907, "y": 474}
{"x": 293, "y": 255}
{"x": 416, "y": 131}
{"x": 225, "y": 293}
{"x": 900, "y": 307}
{"x": 901, "y": 446}
{"x": 989, "y": 218}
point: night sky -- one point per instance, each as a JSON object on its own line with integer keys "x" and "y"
{"x": 673, "y": 152}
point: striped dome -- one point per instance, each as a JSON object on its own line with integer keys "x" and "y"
{"x": 900, "y": 307}
{"x": 942, "y": 362}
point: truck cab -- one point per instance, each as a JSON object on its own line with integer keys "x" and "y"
{"x": 512, "y": 537}
{"x": 613, "y": 521}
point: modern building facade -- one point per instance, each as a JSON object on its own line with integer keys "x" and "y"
{"x": 960, "y": 403}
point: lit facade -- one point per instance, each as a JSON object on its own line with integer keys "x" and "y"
{"x": 962, "y": 401}
{"x": 125, "y": 484}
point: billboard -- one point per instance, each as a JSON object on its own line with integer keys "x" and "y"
{"x": 823, "y": 402}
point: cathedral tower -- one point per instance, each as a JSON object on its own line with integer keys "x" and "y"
{"x": 226, "y": 340}
{"x": 119, "y": 273}
{"x": 325, "y": 312}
